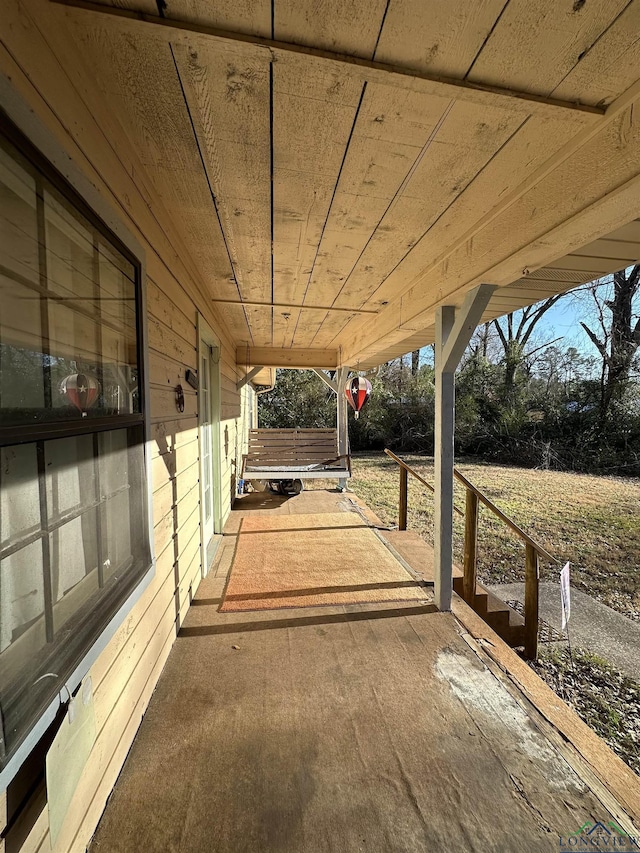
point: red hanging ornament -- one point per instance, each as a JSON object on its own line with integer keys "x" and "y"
{"x": 357, "y": 392}
{"x": 80, "y": 390}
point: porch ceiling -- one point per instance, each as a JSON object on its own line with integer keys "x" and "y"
{"x": 370, "y": 161}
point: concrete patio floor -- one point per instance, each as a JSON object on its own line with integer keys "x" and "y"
{"x": 377, "y": 727}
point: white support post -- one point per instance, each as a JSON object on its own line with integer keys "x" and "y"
{"x": 443, "y": 452}
{"x": 342, "y": 418}
{"x": 453, "y": 332}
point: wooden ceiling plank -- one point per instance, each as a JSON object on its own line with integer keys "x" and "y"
{"x": 329, "y": 330}
{"x": 478, "y": 93}
{"x": 535, "y": 44}
{"x": 229, "y": 108}
{"x": 362, "y": 339}
{"x": 528, "y": 149}
{"x": 388, "y": 140}
{"x": 331, "y": 25}
{"x": 149, "y": 102}
{"x": 610, "y": 66}
{"x": 301, "y": 202}
{"x": 546, "y": 171}
{"x": 467, "y": 141}
{"x": 252, "y": 17}
{"x": 445, "y": 41}
{"x": 310, "y": 136}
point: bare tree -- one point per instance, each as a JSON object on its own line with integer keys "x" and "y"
{"x": 415, "y": 362}
{"x": 514, "y": 336}
{"x": 617, "y": 338}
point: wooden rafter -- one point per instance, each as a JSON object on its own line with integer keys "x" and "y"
{"x": 382, "y": 72}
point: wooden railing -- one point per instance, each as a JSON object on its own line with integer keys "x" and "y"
{"x": 533, "y": 550}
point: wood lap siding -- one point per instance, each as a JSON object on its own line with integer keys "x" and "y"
{"x": 126, "y": 673}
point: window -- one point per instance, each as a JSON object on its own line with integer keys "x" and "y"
{"x": 73, "y": 497}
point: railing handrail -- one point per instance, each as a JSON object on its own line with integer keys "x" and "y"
{"x": 503, "y": 517}
{"x": 474, "y": 496}
{"x": 415, "y": 474}
{"x": 483, "y": 499}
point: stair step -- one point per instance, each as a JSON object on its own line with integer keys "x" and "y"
{"x": 506, "y": 622}
{"x": 498, "y": 620}
{"x": 515, "y": 635}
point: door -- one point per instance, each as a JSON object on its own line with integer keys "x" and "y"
{"x": 209, "y": 437}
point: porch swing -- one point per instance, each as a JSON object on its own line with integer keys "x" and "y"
{"x": 284, "y": 458}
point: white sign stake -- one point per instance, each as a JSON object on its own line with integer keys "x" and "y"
{"x": 565, "y": 595}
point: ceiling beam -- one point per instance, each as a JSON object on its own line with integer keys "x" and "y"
{"x": 286, "y": 305}
{"x": 300, "y": 359}
{"x": 380, "y": 72}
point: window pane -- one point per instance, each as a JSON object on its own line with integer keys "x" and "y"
{"x": 74, "y": 566}
{"x": 117, "y": 539}
{"x": 70, "y": 476}
{"x": 21, "y": 593}
{"x": 22, "y": 360}
{"x": 68, "y": 337}
{"x": 19, "y": 494}
{"x": 116, "y": 480}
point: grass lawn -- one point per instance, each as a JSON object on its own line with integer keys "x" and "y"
{"x": 594, "y": 522}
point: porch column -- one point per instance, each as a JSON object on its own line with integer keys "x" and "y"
{"x": 342, "y": 419}
{"x": 443, "y": 461}
{"x": 454, "y": 329}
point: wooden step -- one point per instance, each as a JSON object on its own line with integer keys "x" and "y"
{"x": 506, "y": 622}
{"x": 515, "y": 635}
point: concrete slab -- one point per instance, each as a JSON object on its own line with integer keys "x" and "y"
{"x": 593, "y": 625}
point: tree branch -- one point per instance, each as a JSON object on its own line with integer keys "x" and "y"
{"x": 501, "y": 334}
{"x": 602, "y": 349}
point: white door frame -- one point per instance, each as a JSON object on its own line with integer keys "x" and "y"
{"x": 209, "y": 345}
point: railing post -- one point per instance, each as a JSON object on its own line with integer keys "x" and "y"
{"x": 470, "y": 546}
{"x": 531, "y": 579}
{"x": 404, "y": 498}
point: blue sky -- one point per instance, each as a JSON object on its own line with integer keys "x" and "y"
{"x": 564, "y": 320}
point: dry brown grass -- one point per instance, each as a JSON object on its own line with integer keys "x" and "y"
{"x": 594, "y": 522}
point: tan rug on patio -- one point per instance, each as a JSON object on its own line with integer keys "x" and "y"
{"x": 311, "y": 560}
